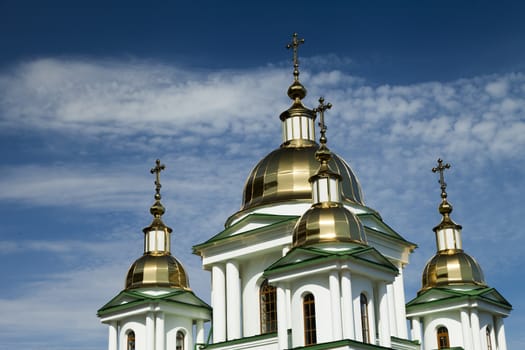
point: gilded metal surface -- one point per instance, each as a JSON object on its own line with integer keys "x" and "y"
{"x": 157, "y": 271}
{"x": 284, "y": 173}
{"x": 157, "y": 268}
{"x": 327, "y": 222}
{"x": 452, "y": 268}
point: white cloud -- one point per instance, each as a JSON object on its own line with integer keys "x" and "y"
{"x": 211, "y": 128}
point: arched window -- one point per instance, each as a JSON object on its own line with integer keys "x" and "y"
{"x": 268, "y": 308}
{"x": 131, "y": 341}
{"x": 365, "y": 325}
{"x": 310, "y": 336}
{"x": 442, "y": 337}
{"x": 179, "y": 341}
{"x": 489, "y": 339}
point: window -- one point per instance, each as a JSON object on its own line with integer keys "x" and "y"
{"x": 131, "y": 341}
{"x": 489, "y": 339}
{"x": 310, "y": 336}
{"x": 179, "y": 341}
{"x": 365, "y": 327}
{"x": 442, "y": 334}
{"x": 268, "y": 307}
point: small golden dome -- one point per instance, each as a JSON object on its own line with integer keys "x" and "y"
{"x": 157, "y": 271}
{"x": 454, "y": 268}
{"x": 328, "y": 222}
{"x": 284, "y": 173}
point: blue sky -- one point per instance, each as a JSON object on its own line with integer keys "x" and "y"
{"x": 91, "y": 94}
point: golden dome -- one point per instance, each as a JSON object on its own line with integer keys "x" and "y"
{"x": 157, "y": 271}
{"x": 284, "y": 173}
{"x": 327, "y": 222}
{"x": 454, "y": 268}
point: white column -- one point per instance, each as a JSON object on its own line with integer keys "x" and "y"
{"x": 357, "y": 318}
{"x": 233, "y": 301}
{"x": 335, "y": 301}
{"x": 199, "y": 338}
{"x": 160, "y": 336}
{"x": 500, "y": 334}
{"x": 288, "y": 302}
{"x": 467, "y": 334}
{"x": 282, "y": 333}
{"x": 150, "y": 331}
{"x": 416, "y": 329}
{"x": 347, "y": 307}
{"x": 399, "y": 304}
{"x": 391, "y": 309}
{"x": 218, "y": 302}
{"x": 474, "y": 323}
{"x": 113, "y": 340}
{"x": 384, "y": 329}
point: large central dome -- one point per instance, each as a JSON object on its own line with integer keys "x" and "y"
{"x": 283, "y": 176}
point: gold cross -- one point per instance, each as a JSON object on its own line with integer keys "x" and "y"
{"x": 320, "y": 109}
{"x": 156, "y": 170}
{"x": 295, "y": 45}
{"x": 441, "y": 168}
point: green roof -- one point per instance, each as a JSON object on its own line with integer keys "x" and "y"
{"x": 312, "y": 255}
{"x": 441, "y": 294}
{"x": 273, "y": 221}
{"x": 131, "y": 298}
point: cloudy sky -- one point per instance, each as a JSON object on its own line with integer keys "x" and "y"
{"x": 92, "y": 94}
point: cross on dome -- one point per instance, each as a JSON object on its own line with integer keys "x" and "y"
{"x": 441, "y": 168}
{"x": 156, "y": 170}
{"x": 320, "y": 109}
{"x": 295, "y": 45}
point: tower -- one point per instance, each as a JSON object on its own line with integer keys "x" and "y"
{"x": 305, "y": 262}
{"x": 157, "y": 309}
{"x": 455, "y": 308}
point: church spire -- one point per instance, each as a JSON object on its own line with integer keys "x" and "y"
{"x": 157, "y": 234}
{"x": 157, "y": 267}
{"x": 326, "y": 182}
{"x": 448, "y": 233}
{"x": 327, "y": 220}
{"x": 298, "y": 121}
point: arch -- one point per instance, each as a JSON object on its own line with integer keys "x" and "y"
{"x": 489, "y": 338}
{"x": 130, "y": 340}
{"x": 310, "y": 329}
{"x": 442, "y": 338}
{"x": 180, "y": 340}
{"x": 365, "y": 319}
{"x": 268, "y": 308}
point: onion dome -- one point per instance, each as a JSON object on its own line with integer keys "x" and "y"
{"x": 451, "y": 266}
{"x": 157, "y": 267}
{"x": 327, "y": 220}
{"x": 284, "y": 173}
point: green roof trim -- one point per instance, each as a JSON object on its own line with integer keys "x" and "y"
{"x": 455, "y": 294}
{"x": 240, "y": 340}
{"x": 389, "y": 231}
{"x": 339, "y": 343}
{"x": 142, "y": 298}
{"x": 315, "y": 255}
{"x": 227, "y": 233}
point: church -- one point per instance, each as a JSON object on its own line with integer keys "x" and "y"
{"x": 306, "y": 264}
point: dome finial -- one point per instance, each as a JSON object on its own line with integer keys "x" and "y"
{"x": 296, "y": 90}
{"x": 320, "y": 109}
{"x": 295, "y": 45}
{"x": 157, "y": 209}
{"x": 441, "y": 168}
{"x": 156, "y": 170}
{"x": 323, "y": 154}
{"x": 445, "y": 208}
